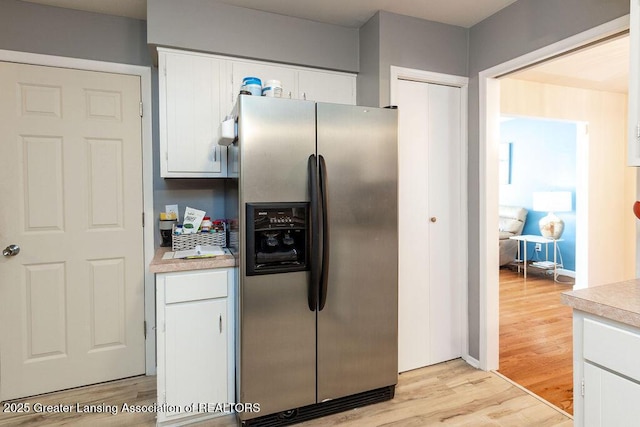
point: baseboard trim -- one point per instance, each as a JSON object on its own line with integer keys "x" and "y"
{"x": 471, "y": 361}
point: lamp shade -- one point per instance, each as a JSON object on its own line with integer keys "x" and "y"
{"x": 551, "y": 226}
{"x": 552, "y": 201}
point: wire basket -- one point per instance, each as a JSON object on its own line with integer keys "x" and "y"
{"x": 184, "y": 242}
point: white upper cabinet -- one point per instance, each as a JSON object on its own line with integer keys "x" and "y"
{"x": 325, "y": 86}
{"x": 197, "y": 91}
{"x": 633, "y": 151}
{"x": 192, "y": 106}
{"x": 298, "y": 82}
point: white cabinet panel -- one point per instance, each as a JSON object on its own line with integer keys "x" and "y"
{"x": 198, "y": 90}
{"x": 606, "y": 386}
{"x": 613, "y": 347}
{"x": 609, "y": 399}
{"x": 196, "y": 352}
{"x": 192, "y": 106}
{"x": 327, "y": 87}
{"x": 194, "y": 311}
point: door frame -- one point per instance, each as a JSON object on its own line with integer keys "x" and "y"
{"x": 489, "y": 132}
{"x": 402, "y": 73}
{"x": 147, "y": 168}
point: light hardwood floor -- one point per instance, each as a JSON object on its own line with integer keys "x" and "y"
{"x": 536, "y": 348}
{"x": 451, "y": 393}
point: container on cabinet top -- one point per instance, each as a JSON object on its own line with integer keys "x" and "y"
{"x": 253, "y": 85}
{"x": 272, "y": 88}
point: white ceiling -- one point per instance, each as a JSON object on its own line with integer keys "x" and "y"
{"x": 349, "y": 13}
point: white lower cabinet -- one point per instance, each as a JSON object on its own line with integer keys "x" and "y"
{"x": 195, "y": 344}
{"x": 606, "y": 372}
{"x": 610, "y": 399}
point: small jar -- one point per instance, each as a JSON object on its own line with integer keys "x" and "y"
{"x": 206, "y": 225}
{"x": 272, "y": 88}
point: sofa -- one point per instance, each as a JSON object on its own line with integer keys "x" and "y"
{"x": 511, "y": 223}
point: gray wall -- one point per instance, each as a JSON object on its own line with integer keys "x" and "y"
{"x": 390, "y": 39}
{"x": 213, "y": 27}
{"x": 423, "y": 45}
{"x": 30, "y": 27}
{"x": 368, "y": 81}
{"x": 520, "y": 28}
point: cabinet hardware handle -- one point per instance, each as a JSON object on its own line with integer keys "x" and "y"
{"x": 220, "y": 323}
{"x": 433, "y": 219}
{"x": 215, "y": 155}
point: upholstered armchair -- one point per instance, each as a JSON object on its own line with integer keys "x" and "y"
{"x": 511, "y": 223}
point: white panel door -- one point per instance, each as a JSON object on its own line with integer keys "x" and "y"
{"x": 430, "y": 197}
{"x": 72, "y": 299}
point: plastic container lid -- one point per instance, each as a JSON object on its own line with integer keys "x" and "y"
{"x": 251, "y": 81}
{"x": 273, "y": 84}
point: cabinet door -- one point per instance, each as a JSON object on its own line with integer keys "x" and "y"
{"x": 192, "y": 100}
{"x": 196, "y": 352}
{"x": 609, "y": 399}
{"x": 264, "y": 72}
{"x": 633, "y": 152}
{"x": 327, "y": 87}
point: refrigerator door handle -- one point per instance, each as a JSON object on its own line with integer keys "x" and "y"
{"x": 314, "y": 188}
{"x": 324, "y": 275}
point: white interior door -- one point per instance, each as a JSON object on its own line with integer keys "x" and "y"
{"x": 72, "y": 299}
{"x": 430, "y": 202}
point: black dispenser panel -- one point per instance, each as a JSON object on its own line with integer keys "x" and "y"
{"x": 277, "y": 237}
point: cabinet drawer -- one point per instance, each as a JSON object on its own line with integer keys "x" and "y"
{"x": 196, "y": 286}
{"x": 612, "y": 347}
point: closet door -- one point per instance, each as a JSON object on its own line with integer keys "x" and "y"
{"x": 431, "y": 253}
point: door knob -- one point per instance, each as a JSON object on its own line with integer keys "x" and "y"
{"x": 11, "y": 250}
{"x": 434, "y": 219}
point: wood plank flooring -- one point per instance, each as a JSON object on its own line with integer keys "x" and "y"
{"x": 536, "y": 348}
{"x": 450, "y": 393}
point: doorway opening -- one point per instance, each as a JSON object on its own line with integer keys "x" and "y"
{"x": 545, "y": 157}
{"x": 490, "y": 110}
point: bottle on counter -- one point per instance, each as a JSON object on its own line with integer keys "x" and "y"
{"x": 206, "y": 225}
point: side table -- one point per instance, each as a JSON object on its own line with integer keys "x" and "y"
{"x": 525, "y": 238}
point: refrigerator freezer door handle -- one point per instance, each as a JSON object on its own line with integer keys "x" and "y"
{"x": 324, "y": 191}
{"x": 314, "y": 189}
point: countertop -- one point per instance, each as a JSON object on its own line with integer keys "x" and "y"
{"x": 617, "y": 301}
{"x": 159, "y": 265}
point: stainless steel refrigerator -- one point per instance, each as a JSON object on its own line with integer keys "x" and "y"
{"x": 315, "y": 197}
